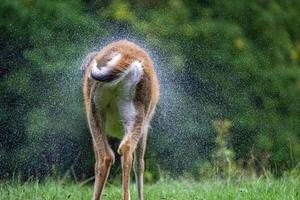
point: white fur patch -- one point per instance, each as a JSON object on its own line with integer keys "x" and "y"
{"x": 131, "y": 75}
{"x": 128, "y": 113}
{"x": 114, "y": 60}
{"x": 100, "y": 72}
{"x": 135, "y": 71}
{"x": 104, "y": 70}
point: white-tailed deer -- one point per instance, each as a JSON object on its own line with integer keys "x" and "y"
{"x": 120, "y": 92}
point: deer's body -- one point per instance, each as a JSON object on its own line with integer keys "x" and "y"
{"x": 120, "y": 92}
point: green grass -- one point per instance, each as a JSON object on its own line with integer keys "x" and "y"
{"x": 281, "y": 189}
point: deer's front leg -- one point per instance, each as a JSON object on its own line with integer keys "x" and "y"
{"x": 128, "y": 146}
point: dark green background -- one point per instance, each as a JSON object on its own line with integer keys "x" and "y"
{"x": 237, "y": 61}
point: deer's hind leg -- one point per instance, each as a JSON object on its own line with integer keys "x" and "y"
{"x": 127, "y": 148}
{"x": 104, "y": 160}
{"x": 103, "y": 153}
{"x": 138, "y": 163}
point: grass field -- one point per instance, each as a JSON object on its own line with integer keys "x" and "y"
{"x": 281, "y": 189}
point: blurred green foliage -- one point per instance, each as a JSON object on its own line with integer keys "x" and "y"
{"x": 242, "y": 60}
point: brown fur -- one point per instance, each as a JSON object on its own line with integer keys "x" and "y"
{"x": 145, "y": 100}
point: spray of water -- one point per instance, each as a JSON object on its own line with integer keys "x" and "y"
{"x": 56, "y": 129}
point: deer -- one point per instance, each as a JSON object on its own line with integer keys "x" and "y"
{"x": 121, "y": 91}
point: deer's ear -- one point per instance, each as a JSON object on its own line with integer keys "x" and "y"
{"x": 87, "y": 61}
